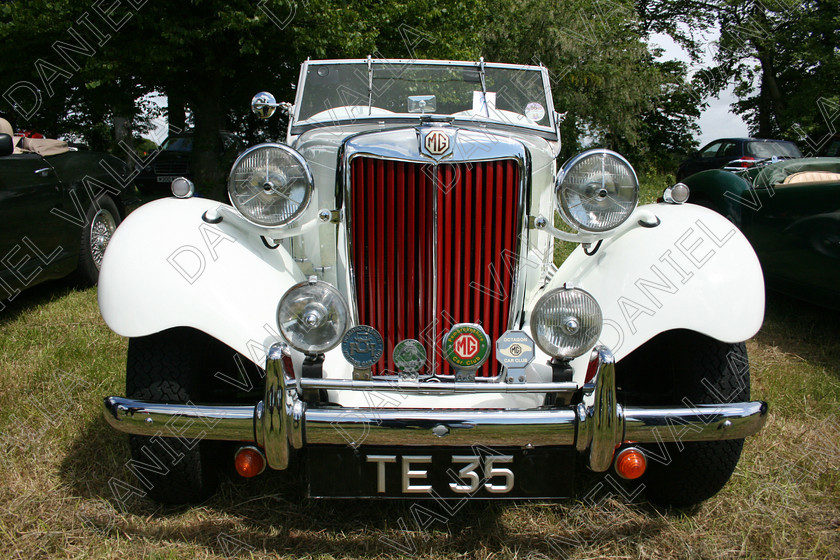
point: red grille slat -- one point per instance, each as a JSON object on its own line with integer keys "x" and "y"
{"x": 431, "y": 246}
{"x": 390, "y": 261}
{"x": 380, "y": 265}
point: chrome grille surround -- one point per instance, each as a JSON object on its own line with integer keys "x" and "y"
{"x": 470, "y": 146}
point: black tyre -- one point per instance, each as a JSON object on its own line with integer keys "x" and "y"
{"x": 168, "y": 367}
{"x": 99, "y": 226}
{"x": 684, "y": 368}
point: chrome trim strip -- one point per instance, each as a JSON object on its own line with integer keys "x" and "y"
{"x": 705, "y": 422}
{"x": 415, "y": 427}
{"x": 516, "y": 315}
{"x": 422, "y": 61}
{"x": 229, "y": 423}
{"x": 442, "y": 387}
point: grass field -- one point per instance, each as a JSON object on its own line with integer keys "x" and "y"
{"x": 65, "y": 486}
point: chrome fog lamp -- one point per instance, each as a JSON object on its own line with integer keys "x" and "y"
{"x": 312, "y": 317}
{"x": 270, "y": 184}
{"x": 596, "y": 191}
{"x": 566, "y": 322}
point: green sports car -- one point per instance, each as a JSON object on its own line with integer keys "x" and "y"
{"x": 790, "y": 212}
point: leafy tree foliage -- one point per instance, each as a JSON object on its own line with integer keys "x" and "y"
{"x": 781, "y": 55}
{"x": 208, "y": 56}
{"x": 784, "y": 59}
{"x": 603, "y": 74}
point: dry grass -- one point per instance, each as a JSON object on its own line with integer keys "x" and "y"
{"x": 56, "y": 354}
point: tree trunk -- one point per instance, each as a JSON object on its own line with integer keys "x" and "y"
{"x": 175, "y": 111}
{"x": 770, "y": 104}
{"x": 209, "y": 120}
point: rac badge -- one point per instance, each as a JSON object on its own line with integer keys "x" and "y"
{"x": 362, "y": 346}
{"x": 435, "y": 142}
{"x": 466, "y": 346}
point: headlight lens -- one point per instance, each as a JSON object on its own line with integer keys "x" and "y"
{"x": 597, "y": 190}
{"x": 270, "y": 184}
{"x": 313, "y": 317}
{"x": 566, "y": 322}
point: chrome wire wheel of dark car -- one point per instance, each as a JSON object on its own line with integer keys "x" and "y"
{"x": 101, "y": 229}
{"x": 101, "y": 224}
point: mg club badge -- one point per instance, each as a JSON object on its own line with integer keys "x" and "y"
{"x": 410, "y": 357}
{"x": 436, "y": 142}
{"x": 466, "y": 347}
{"x": 515, "y": 350}
{"x": 362, "y": 346}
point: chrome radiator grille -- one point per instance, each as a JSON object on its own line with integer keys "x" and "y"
{"x": 432, "y": 246}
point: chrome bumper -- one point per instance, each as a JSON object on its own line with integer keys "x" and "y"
{"x": 282, "y": 421}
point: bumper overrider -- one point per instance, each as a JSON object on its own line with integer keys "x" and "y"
{"x": 282, "y": 421}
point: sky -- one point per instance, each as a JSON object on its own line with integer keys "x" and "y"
{"x": 716, "y": 121}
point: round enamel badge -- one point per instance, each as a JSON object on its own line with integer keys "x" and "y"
{"x": 466, "y": 346}
{"x": 409, "y": 355}
{"x": 362, "y": 346}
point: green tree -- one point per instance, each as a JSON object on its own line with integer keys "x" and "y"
{"x": 208, "y": 56}
{"x": 603, "y": 74}
{"x": 785, "y": 63}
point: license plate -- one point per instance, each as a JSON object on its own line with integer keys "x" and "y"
{"x": 166, "y": 178}
{"x": 424, "y": 472}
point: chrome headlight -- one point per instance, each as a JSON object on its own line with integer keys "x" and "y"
{"x": 270, "y": 184}
{"x": 566, "y": 322}
{"x": 313, "y": 317}
{"x": 596, "y": 191}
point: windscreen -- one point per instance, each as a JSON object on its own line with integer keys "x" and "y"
{"x": 347, "y": 91}
{"x": 178, "y": 144}
{"x": 770, "y": 149}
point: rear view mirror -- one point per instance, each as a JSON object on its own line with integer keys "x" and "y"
{"x": 422, "y": 103}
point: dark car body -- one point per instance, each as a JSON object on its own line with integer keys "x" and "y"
{"x": 736, "y": 153}
{"x": 175, "y": 160}
{"x": 790, "y": 212}
{"x": 47, "y": 205}
{"x": 830, "y": 148}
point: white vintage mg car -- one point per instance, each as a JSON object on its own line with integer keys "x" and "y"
{"x": 380, "y": 309}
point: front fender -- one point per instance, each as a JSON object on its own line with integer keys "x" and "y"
{"x": 695, "y": 271}
{"x": 167, "y": 267}
{"x": 728, "y": 193}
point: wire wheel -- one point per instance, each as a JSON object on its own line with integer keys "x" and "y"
{"x": 102, "y": 227}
